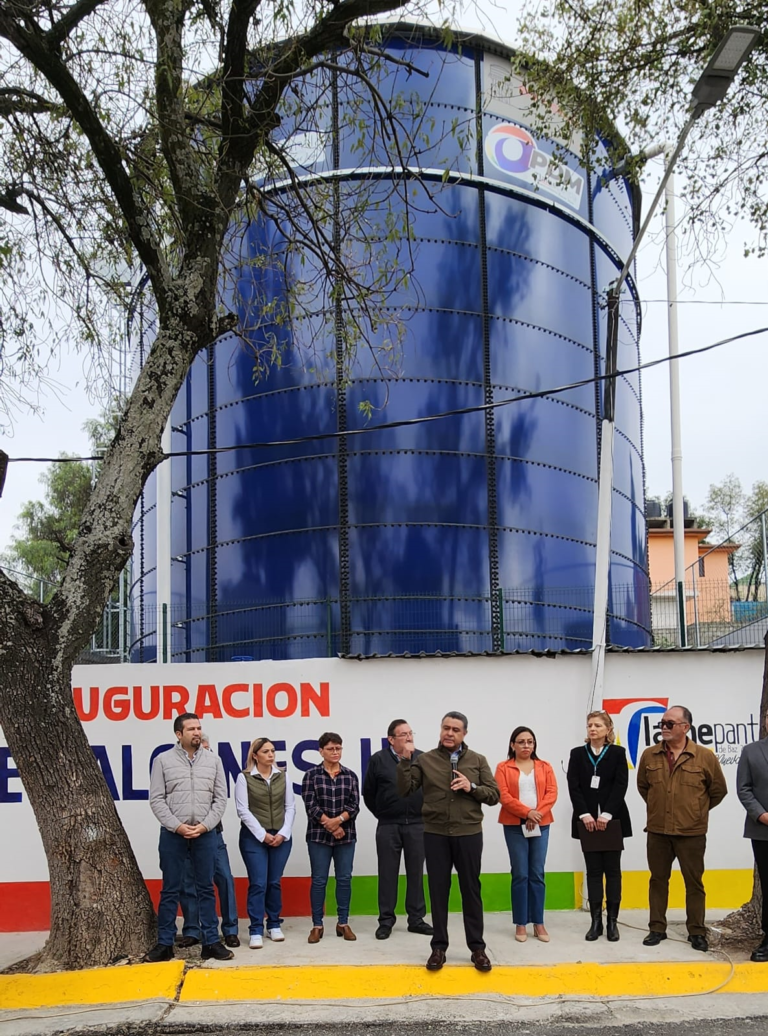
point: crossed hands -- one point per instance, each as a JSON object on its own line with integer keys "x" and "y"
{"x": 591, "y": 824}
{"x": 333, "y": 826}
{"x": 534, "y": 818}
{"x": 191, "y": 830}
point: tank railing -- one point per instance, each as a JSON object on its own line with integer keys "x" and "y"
{"x": 530, "y": 618}
{"x": 720, "y": 610}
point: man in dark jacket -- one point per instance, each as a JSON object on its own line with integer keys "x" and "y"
{"x": 456, "y": 782}
{"x": 752, "y": 789}
{"x": 400, "y": 831}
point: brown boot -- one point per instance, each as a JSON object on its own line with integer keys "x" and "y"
{"x": 315, "y": 934}
{"x": 345, "y": 932}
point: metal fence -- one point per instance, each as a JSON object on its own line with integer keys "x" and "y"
{"x": 712, "y": 615}
{"x": 519, "y": 619}
{"x": 723, "y": 596}
{"x": 110, "y": 640}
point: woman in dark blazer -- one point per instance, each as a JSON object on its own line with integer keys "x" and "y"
{"x": 597, "y": 782}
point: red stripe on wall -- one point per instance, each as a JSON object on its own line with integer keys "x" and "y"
{"x": 27, "y": 904}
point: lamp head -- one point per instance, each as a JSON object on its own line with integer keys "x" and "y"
{"x": 731, "y": 53}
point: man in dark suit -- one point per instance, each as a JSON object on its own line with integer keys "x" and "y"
{"x": 752, "y": 789}
{"x": 400, "y": 831}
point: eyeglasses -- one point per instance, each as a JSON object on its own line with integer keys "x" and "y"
{"x": 524, "y": 744}
{"x": 333, "y": 748}
{"x": 668, "y": 724}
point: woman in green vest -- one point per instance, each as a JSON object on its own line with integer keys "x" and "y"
{"x": 266, "y": 806}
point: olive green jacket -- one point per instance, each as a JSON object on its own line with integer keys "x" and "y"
{"x": 447, "y": 812}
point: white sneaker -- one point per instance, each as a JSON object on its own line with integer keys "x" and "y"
{"x": 276, "y": 934}
{"x": 256, "y": 942}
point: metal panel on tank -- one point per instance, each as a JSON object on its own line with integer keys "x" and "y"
{"x": 471, "y": 532}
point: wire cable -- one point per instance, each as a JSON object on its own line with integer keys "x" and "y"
{"x": 426, "y": 419}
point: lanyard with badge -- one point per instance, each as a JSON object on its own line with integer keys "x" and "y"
{"x": 595, "y": 782}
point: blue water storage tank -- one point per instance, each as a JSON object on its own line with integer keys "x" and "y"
{"x": 474, "y": 532}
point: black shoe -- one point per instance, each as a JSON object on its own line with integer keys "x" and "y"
{"x": 232, "y": 941}
{"x": 611, "y": 922}
{"x": 654, "y": 938}
{"x": 158, "y": 953}
{"x": 383, "y": 931}
{"x": 185, "y": 941}
{"x": 216, "y": 952}
{"x": 480, "y": 960}
{"x": 436, "y": 960}
{"x": 596, "y": 928}
{"x": 760, "y": 953}
{"x": 698, "y": 942}
{"x": 421, "y": 928}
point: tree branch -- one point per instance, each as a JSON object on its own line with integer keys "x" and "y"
{"x": 71, "y": 19}
{"x": 32, "y": 44}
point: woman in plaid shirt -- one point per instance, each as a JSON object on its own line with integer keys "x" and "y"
{"x": 331, "y": 795}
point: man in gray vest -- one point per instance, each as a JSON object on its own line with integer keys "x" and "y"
{"x": 752, "y": 789}
{"x": 188, "y": 795}
{"x": 400, "y": 832}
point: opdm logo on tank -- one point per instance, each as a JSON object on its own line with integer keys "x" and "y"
{"x": 514, "y": 151}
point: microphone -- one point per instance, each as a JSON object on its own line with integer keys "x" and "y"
{"x": 454, "y": 763}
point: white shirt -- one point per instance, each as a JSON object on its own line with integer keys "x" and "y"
{"x": 527, "y": 789}
{"x": 244, "y": 812}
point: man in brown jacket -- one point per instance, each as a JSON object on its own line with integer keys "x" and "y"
{"x": 456, "y": 782}
{"x": 680, "y": 782}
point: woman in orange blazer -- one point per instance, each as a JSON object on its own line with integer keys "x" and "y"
{"x": 528, "y": 793}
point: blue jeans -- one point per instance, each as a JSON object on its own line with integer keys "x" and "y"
{"x": 176, "y": 854}
{"x": 265, "y": 865}
{"x": 527, "y": 857}
{"x": 225, "y": 885}
{"x": 320, "y": 857}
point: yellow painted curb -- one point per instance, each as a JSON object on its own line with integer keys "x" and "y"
{"x": 395, "y": 982}
{"x": 95, "y": 986}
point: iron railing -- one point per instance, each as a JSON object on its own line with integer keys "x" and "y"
{"x": 552, "y": 618}
{"x": 719, "y": 610}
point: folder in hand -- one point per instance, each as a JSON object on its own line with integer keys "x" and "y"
{"x": 601, "y": 841}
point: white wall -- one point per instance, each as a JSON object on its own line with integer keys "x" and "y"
{"x": 549, "y": 694}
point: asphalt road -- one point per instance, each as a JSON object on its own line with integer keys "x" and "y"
{"x": 735, "y": 1026}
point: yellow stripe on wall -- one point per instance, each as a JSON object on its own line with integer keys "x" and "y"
{"x": 726, "y": 889}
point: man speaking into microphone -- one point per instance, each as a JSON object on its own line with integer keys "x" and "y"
{"x": 456, "y": 782}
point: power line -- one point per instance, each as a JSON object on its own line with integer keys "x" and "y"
{"x": 480, "y": 408}
{"x": 706, "y": 302}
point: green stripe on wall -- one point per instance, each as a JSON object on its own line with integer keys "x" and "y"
{"x": 496, "y": 893}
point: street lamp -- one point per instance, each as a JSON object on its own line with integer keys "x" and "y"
{"x": 710, "y": 88}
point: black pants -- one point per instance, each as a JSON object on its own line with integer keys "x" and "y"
{"x": 443, "y": 853}
{"x": 606, "y": 864}
{"x": 760, "y": 849}
{"x": 392, "y": 841}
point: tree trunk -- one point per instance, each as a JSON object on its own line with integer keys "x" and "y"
{"x": 747, "y": 920}
{"x": 100, "y": 907}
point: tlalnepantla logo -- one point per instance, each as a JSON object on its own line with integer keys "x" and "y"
{"x": 514, "y": 151}
{"x": 636, "y": 721}
{"x": 633, "y": 720}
